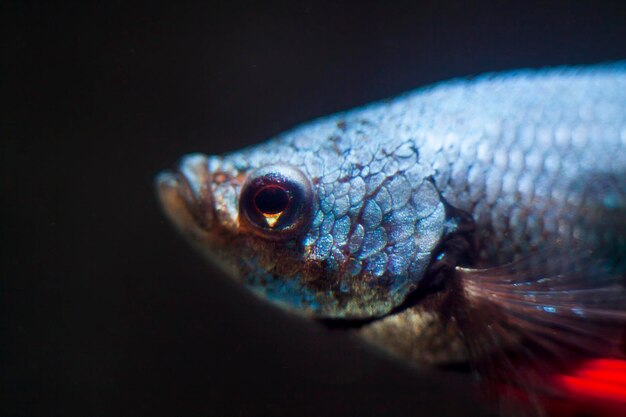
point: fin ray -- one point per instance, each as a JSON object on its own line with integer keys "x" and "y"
{"x": 542, "y": 316}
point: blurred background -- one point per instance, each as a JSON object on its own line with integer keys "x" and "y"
{"x": 104, "y": 310}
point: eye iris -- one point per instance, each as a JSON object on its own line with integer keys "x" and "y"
{"x": 271, "y": 200}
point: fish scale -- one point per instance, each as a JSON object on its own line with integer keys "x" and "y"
{"x": 482, "y": 178}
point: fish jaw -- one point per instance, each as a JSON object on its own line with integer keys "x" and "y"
{"x": 185, "y": 196}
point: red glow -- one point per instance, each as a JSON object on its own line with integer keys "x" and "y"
{"x": 602, "y": 379}
{"x": 597, "y": 388}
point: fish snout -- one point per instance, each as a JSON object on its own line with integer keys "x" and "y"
{"x": 185, "y": 193}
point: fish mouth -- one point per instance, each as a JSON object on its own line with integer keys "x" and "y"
{"x": 185, "y": 193}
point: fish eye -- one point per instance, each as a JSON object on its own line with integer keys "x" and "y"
{"x": 275, "y": 201}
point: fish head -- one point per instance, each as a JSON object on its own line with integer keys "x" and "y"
{"x": 325, "y": 222}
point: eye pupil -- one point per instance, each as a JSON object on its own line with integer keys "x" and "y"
{"x": 271, "y": 200}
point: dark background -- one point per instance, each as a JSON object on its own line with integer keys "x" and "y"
{"x": 104, "y": 309}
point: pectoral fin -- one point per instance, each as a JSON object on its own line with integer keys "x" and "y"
{"x": 529, "y": 322}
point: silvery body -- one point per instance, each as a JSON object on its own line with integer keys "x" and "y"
{"x": 507, "y": 164}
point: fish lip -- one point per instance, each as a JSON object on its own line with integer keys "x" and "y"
{"x": 167, "y": 185}
{"x": 185, "y": 192}
{"x": 173, "y": 193}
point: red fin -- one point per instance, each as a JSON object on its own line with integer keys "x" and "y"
{"x": 535, "y": 328}
{"x": 596, "y": 388}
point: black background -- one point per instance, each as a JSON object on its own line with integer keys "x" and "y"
{"x": 104, "y": 309}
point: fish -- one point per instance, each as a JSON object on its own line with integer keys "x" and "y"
{"x": 477, "y": 223}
